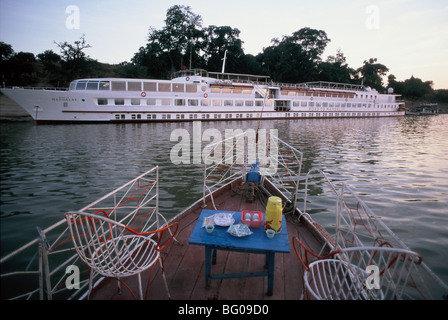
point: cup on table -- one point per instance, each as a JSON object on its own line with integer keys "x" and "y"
{"x": 209, "y": 228}
{"x": 270, "y": 233}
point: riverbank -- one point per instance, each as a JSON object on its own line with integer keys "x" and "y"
{"x": 11, "y": 111}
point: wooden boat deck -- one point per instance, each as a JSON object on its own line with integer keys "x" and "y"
{"x": 184, "y": 264}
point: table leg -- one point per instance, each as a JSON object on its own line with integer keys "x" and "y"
{"x": 270, "y": 259}
{"x": 208, "y": 265}
{"x": 214, "y": 256}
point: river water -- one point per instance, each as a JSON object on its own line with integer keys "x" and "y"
{"x": 398, "y": 165}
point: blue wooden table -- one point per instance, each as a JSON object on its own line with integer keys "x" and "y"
{"x": 257, "y": 243}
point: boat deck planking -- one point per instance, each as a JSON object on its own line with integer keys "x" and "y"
{"x": 184, "y": 265}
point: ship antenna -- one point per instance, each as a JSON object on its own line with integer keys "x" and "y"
{"x": 224, "y": 61}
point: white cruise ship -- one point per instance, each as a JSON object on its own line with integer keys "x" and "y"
{"x": 193, "y": 95}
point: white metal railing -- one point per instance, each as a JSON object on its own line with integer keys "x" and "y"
{"x": 37, "y": 88}
{"x": 235, "y": 156}
{"x": 40, "y": 266}
{"x": 358, "y": 228}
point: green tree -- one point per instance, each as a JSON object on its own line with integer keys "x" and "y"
{"x": 295, "y": 58}
{"x": 312, "y": 41}
{"x": 75, "y": 61}
{"x": 372, "y": 72}
{"x": 336, "y": 69}
{"x": 182, "y": 32}
{"x": 23, "y": 69}
{"x": 216, "y": 41}
{"x": 415, "y": 88}
{"x": 52, "y": 70}
{"x": 6, "y": 52}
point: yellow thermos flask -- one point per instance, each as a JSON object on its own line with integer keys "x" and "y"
{"x": 273, "y": 219}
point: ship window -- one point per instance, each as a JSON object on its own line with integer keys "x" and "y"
{"x": 249, "y": 103}
{"x": 104, "y": 85}
{"x": 215, "y": 90}
{"x": 179, "y": 102}
{"x": 247, "y": 91}
{"x": 226, "y": 90}
{"x": 102, "y": 101}
{"x": 192, "y": 88}
{"x": 150, "y": 86}
{"x": 166, "y": 102}
{"x": 92, "y": 85}
{"x": 205, "y": 102}
{"x": 134, "y": 86}
{"x": 178, "y": 87}
{"x": 135, "y": 101}
{"x": 119, "y": 102}
{"x": 73, "y": 86}
{"x": 165, "y": 87}
{"x": 118, "y": 86}
{"x": 81, "y": 85}
{"x": 239, "y": 103}
{"x": 228, "y": 103}
{"x": 217, "y": 103}
{"x": 193, "y": 103}
{"x": 237, "y": 91}
{"x": 151, "y": 102}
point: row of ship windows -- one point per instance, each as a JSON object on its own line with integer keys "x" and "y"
{"x": 230, "y": 103}
{"x": 132, "y": 86}
{"x": 139, "y": 116}
{"x": 183, "y": 102}
{"x": 327, "y": 94}
{"x": 139, "y": 86}
{"x": 183, "y": 116}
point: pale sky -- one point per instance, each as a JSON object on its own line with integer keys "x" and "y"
{"x": 410, "y": 37}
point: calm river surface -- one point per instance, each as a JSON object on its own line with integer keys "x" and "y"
{"x": 399, "y": 166}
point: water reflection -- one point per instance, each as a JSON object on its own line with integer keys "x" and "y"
{"x": 399, "y": 165}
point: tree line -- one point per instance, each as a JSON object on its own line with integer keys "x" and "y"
{"x": 185, "y": 43}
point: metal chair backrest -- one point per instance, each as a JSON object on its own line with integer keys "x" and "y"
{"x": 363, "y": 273}
{"x": 109, "y": 247}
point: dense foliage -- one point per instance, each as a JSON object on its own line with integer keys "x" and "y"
{"x": 185, "y": 43}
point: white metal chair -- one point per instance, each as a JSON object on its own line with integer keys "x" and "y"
{"x": 360, "y": 273}
{"x": 113, "y": 249}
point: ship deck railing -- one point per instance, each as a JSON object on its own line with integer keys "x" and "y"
{"x": 49, "y": 265}
{"x": 36, "y": 88}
